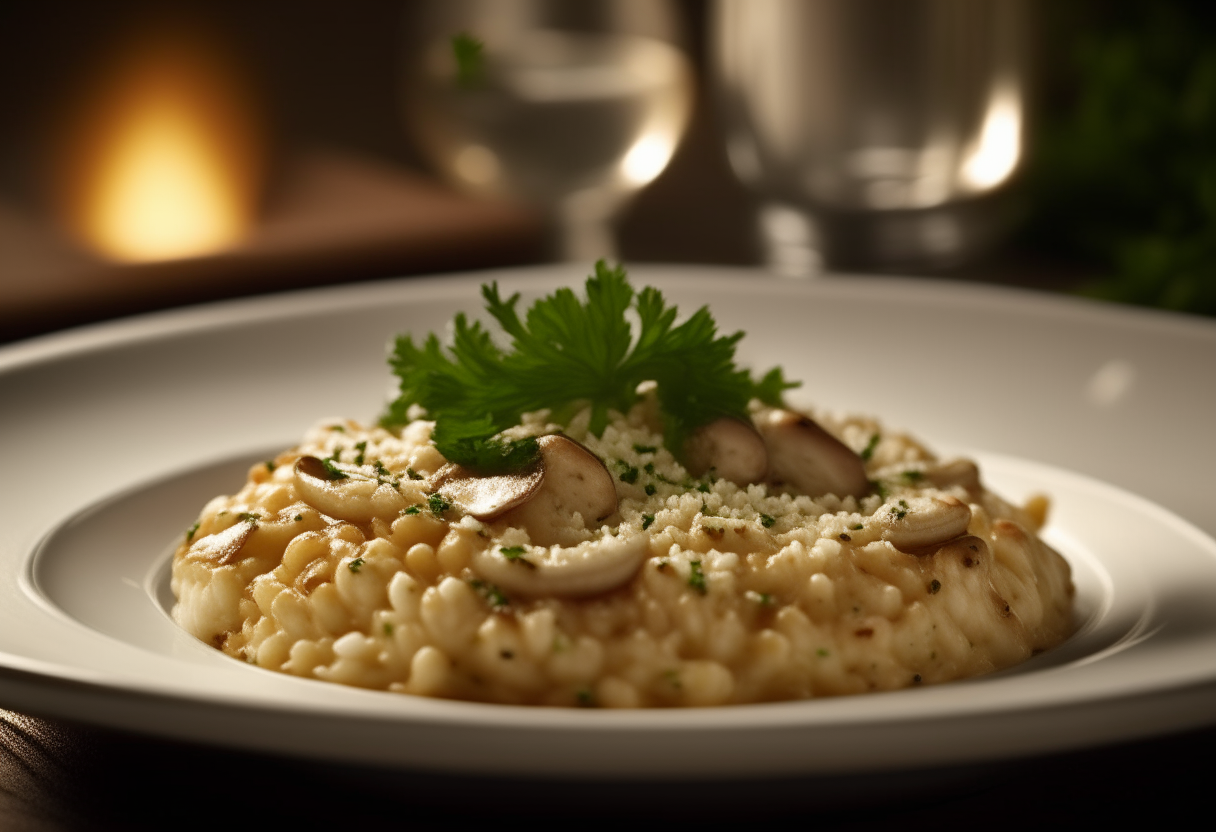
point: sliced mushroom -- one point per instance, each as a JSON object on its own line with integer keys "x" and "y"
{"x": 920, "y": 524}
{"x": 804, "y": 455}
{"x": 222, "y": 548}
{"x": 487, "y": 497}
{"x": 575, "y": 481}
{"x": 731, "y": 448}
{"x": 586, "y": 569}
{"x": 354, "y": 493}
{"x": 962, "y": 472}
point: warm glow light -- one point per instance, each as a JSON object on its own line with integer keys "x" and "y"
{"x": 1000, "y": 143}
{"x": 163, "y": 160}
{"x": 164, "y": 191}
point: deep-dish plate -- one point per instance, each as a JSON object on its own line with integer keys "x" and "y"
{"x": 114, "y": 436}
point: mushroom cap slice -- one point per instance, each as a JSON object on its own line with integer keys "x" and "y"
{"x": 589, "y": 568}
{"x": 354, "y": 493}
{"x": 804, "y": 455}
{"x": 222, "y": 548}
{"x": 575, "y": 481}
{"x": 919, "y": 525}
{"x": 487, "y": 497}
{"x": 731, "y": 448}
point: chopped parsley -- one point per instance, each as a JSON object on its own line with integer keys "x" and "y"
{"x": 338, "y": 428}
{"x": 868, "y": 451}
{"x": 388, "y": 628}
{"x": 361, "y": 447}
{"x": 649, "y": 468}
{"x": 900, "y": 511}
{"x": 193, "y": 530}
{"x": 629, "y": 474}
{"x": 437, "y": 504}
{"x": 703, "y": 487}
{"x": 567, "y": 351}
{"x": 298, "y": 518}
{"x": 493, "y": 595}
{"x": 645, "y": 449}
{"x": 761, "y": 598}
{"x": 332, "y": 471}
{"x": 767, "y": 520}
{"x": 880, "y": 489}
{"x": 412, "y": 510}
{"x": 935, "y": 586}
{"x": 913, "y": 476}
{"x": 270, "y": 466}
{"x": 857, "y": 527}
{"x": 251, "y": 517}
{"x": 515, "y": 554}
{"x": 696, "y": 578}
{"x": 412, "y": 474}
{"x": 822, "y": 653}
{"x": 647, "y": 521}
{"x": 650, "y": 489}
{"x": 355, "y": 565}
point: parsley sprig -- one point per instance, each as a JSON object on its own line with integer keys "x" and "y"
{"x": 566, "y": 353}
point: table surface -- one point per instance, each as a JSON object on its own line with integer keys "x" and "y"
{"x": 56, "y": 775}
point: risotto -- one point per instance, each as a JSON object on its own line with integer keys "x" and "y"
{"x": 789, "y": 555}
{"x": 594, "y": 517}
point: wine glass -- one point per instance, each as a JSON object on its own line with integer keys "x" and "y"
{"x": 572, "y": 107}
{"x": 872, "y": 131}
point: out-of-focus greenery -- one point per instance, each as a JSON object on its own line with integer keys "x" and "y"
{"x": 1123, "y": 175}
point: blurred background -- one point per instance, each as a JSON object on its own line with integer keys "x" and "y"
{"x": 153, "y": 155}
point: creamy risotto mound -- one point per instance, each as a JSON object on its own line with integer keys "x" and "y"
{"x": 797, "y": 556}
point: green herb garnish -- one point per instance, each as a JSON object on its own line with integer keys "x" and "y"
{"x": 868, "y": 451}
{"x": 935, "y": 586}
{"x": 412, "y": 510}
{"x": 566, "y": 353}
{"x": 355, "y": 565}
{"x": 412, "y": 474}
{"x": 193, "y": 530}
{"x": 250, "y": 517}
{"x": 650, "y": 489}
{"x": 332, "y": 471}
{"x": 437, "y": 504}
{"x": 493, "y": 595}
{"x": 629, "y": 474}
{"x": 647, "y": 520}
{"x": 767, "y": 520}
{"x": 696, "y": 578}
{"x": 515, "y": 554}
{"x": 269, "y": 466}
{"x": 644, "y": 449}
{"x": 361, "y": 447}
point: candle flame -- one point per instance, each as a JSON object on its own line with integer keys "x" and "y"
{"x": 164, "y": 157}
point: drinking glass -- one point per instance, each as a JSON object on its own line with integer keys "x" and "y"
{"x": 873, "y": 131}
{"x": 571, "y": 106}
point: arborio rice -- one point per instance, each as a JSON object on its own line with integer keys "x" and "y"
{"x": 350, "y": 559}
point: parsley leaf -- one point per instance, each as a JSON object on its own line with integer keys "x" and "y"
{"x": 566, "y": 353}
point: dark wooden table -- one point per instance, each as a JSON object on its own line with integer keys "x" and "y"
{"x": 57, "y": 775}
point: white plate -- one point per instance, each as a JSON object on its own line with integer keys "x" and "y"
{"x": 113, "y": 436}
